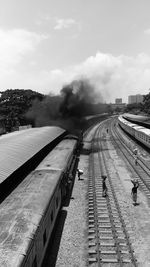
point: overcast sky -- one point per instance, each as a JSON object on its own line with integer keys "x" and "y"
{"x": 46, "y": 44}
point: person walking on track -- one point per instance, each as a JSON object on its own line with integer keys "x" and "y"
{"x": 104, "y": 187}
{"x": 134, "y": 191}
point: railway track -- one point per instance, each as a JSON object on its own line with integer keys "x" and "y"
{"x": 109, "y": 242}
{"x": 140, "y": 170}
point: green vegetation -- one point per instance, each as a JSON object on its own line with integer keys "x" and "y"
{"x": 21, "y": 107}
{"x": 140, "y": 108}
{"x": 14, "y": 104}
{"x": 146, "y": 104}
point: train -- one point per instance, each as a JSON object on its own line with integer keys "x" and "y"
{"x": 138, "y": 119}
{"x": 28, "y": 214}
{"x": 21, "y": 151}
{"x": 140, "y": 133}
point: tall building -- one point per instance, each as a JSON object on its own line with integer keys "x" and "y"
{"x": 139, "y": 98}
{"x": 118, "y": 101}
{"x": 118, "y": 104}
{"x": 135, "y": 99}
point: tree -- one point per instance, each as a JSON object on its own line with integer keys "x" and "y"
{"x": 134, "y": 108}
{"x": 15, "y": 103}
{"x": 146, "y": 103}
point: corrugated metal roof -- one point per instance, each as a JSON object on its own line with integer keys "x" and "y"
{"x": 145, "y": 131}
{"x": 136, "y": 117}
{"x": 22, "y": 210}
{"x": 18, "y": 147}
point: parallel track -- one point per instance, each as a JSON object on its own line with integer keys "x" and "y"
{"x": 109, "y": 243}
{"x": 141, "y": 170}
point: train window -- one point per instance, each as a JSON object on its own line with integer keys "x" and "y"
{"x": 52, "y": 216}
{"x": 44, "y": 238}
{"x": 34, "y": 264}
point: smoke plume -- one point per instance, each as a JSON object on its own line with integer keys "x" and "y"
{"x": 68, "y": 109}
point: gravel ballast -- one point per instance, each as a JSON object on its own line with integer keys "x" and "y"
{"x": 73, "y": 245}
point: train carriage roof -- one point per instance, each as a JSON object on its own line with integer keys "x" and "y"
{"x": 23, "y": 210}
{"x": 136, "y": 127}
{"x": 59, "y": 155}
{"x": 131, "y": 124}
{"x": 18, "y": 147}
{"x": 136, "y": 117}
{"x": 145, "y": 131}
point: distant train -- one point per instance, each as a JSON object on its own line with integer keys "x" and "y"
{"x": 140, "y": 133}
{"x": 138, "y": 119}
{"x": 28, "y": 214}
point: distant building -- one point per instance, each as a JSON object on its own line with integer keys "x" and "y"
{"x": 118, "y": 101}
{"x": 120, "y": 106}
{"x": 139, "y": 98}
{"x": 135, "y": 99}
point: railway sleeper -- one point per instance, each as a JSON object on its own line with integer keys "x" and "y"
{"x": 91, "y": 236}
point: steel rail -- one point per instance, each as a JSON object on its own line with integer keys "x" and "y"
{"x": 105, "y": 218}
{"x": 94, "y": 245}
{"x": 121, "y": 260}
{"x": 138, "y": 170}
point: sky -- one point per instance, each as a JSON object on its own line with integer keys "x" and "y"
{"x": 46, "y": 44}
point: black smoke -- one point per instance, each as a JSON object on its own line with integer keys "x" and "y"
{"x": 68, "y": 109}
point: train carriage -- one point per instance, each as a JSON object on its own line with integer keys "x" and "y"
{"x": 128, "y": 126}
{"x": 17, "y": 148}
{"x": 28, "y": 214}
{"x": 141, "y": 133}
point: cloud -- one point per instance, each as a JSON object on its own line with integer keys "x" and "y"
{"x": 113, "y": 76}
{"x": 64, "y": 23}
{"x": 45, "y": 19}
{"x": 147, "y": 31}
{"x": 15, "y": 44}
